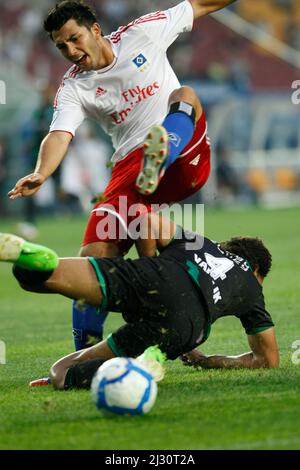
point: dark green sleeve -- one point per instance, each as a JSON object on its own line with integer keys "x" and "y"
{"x": 258, "y": 319}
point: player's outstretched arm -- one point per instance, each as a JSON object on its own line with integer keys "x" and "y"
{"x": 204, "y": 7}
{"x": 264, "y": 353}
{"x": 52, "y": 151}
{"x": 59, "y": 370}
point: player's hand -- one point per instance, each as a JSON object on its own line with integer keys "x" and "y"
{"x": 27, "y": 186}
{"x": 194, "y": 358}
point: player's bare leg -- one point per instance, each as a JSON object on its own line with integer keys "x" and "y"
{"x": 158, "y": 151}
{"x": 75, "y": 278}
{"x": 156, "y": 232}
{"x": 101, "y": 250}
{"x": 39, "y": 270}
{"x": 91, "y": 358}
{"x": 101, "y": 352}
{"x": 88, "y": 321}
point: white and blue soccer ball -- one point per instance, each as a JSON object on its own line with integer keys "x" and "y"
{"x": 123, "y": 386}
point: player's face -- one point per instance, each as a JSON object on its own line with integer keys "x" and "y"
{"x": 80, "y": 45}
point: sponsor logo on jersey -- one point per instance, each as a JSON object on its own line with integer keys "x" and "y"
{"x": 133, "y": 97}
{"x": 174, "y": 139}
{"x": 100, "y": 92}
{"x": 140, "y": 60}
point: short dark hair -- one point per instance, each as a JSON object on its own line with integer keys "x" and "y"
{"x": 69, "y": 10}
{"x": 251, "y": 249}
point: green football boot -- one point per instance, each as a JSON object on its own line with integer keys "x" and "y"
{"x": 153, "y": 359}
{"x": 27, "y": 255}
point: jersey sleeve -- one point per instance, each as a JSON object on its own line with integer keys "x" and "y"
{"x": 68, "y": 111}
{"x": 258, "y": 319}
{"x": 164, "y": 27}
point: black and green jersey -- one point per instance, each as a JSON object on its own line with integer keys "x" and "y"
{"x": 172, "y": 299}
{"x": 224, "y": 280}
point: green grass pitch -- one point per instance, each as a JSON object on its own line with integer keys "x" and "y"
{"x": 257, "y": 409}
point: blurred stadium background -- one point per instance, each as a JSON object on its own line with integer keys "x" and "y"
{"x": 242, "y": 62}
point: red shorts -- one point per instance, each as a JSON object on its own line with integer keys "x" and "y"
{"x": 122, "y": 203}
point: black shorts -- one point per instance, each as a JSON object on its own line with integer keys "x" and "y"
{"x": 158, "y": 301}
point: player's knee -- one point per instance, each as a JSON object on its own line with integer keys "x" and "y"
{"x": 184, "y": 93}
{"x": 189, "y": 91}
{"x": 86, "y": 251}
{"x": 146, "y": 247}
{"x": 188, "y": 95}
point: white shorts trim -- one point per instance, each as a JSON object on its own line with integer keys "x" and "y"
{"x": 196, "y": 144}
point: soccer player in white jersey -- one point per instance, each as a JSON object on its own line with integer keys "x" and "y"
{"x": 158, "y": 128}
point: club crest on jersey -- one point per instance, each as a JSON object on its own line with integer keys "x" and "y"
{"x": 140, "y": 60}
{"x": 100, "y": 92}
{"x": 174, "y": 139}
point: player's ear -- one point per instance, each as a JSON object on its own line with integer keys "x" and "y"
{"x": 258, "y": 276}
{"x": 97, "y": 30}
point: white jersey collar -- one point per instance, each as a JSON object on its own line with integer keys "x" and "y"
{"x": 110, "y": 66}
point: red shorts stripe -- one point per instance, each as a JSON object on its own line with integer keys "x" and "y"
{"x": 182, "y": 179}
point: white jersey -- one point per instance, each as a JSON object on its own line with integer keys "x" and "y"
{"x": 131, "y": 94}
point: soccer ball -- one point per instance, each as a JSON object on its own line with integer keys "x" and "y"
{"x": 123, "y": 386}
